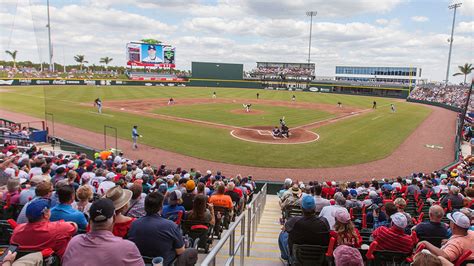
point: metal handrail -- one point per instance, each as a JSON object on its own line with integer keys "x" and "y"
{"x": 254, "y": 213}
{"x": 233, "y": 249}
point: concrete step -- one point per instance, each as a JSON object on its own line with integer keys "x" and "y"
{"x": 264, "y": 250}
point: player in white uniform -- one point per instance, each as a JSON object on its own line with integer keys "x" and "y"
{"x": 392, "y": 107}
{"x": 247, "y": 107}
{"x": 98, "y": 104}
{"x": 214, "y": 95}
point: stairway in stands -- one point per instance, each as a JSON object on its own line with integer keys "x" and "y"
{"x": 264, "y": 250}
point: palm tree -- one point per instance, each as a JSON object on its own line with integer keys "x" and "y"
{"x": 106, "y": 60}
{"x": 151, "y": 41}
{"x": 464, "y": 70}
{"x": 13, "y": 55}
{"x": 80, "y": 59}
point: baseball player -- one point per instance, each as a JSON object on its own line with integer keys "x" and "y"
{"x": 282, "y": 121}
{"x": 171, "y": 101}
{"x": 374, "y": 106}
{"x": 214, "y": 95}
{"x": 293, "y": 98}
{"x": 98, "y": 104}
{"x": 339, "y": 104}
{"x": 152, "y": 58}
{"x": 392, "y": 107}
{"x": 135, "y": 136}
{"x": 258, "y": 95}
{"x": 247, "y": 107}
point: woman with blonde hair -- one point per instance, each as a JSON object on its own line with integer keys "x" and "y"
{"x": 344, "y": 231}
{"x": 84, "y": 194}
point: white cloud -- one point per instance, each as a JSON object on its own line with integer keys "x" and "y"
{"x": 467, "y": 26}
{"x": 239, "y": 31}
{"x": 420, "y": 19}
{"x": 75, "y": 30}
{"x": 382, "y": 21}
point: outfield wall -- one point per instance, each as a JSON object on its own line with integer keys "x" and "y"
{"x": 227, "y": 83}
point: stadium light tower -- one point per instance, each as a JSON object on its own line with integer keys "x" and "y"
{"x": 51, "y": 65}
{"x": 310, "y": 14}
{"x": 455, "y": 7}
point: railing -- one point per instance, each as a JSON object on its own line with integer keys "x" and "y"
{"x": 252, "y": 216}
{"x": 254, "y": 212}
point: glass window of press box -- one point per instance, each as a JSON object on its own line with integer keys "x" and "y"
{"x": 377, "y": 71}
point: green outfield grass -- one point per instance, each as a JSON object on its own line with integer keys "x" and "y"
{"x": 222, "y": 113}
{"x": 361, "y": 139}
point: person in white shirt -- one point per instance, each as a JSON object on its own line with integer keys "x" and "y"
{"x": 118, "y": 158}
{"x": 97, "y": 179}
{"x": 398, "y": 183}
{"x": 329, "y": 212}
{"x": 107, "y": 184}
{"x": 442, "y": 187}
{"x": 319, "y": 201}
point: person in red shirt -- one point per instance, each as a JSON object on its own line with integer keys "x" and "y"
{"x": 121, "y": 198}
{"x": 39, "y": 233}
{"x": 394, "y": 238}
{"x": 344, "y": 231}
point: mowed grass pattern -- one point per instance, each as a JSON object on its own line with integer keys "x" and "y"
{"x": 351, "y": 141}
{"x": 222, "y": 113}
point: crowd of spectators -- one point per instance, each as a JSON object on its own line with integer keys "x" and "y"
{"x": 452, "y": 95}
{"x": 31, "y": 72}
{"x": 86, "y": 209}
{"x": 431, "y": 211}
{"x": 282, "y": 73}
{"x": 109, "y": 210}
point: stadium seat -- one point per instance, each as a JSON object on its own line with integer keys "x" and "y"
{"x": 6, "y": 232}
{"x": 385, "y": 257}
{"x": 199, "y": 232}
{"x": 308, "y": 255}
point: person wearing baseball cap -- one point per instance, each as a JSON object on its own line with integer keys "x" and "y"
{"x": 461, "y": 240}
{"x": 39, "y": 233}
{"x": 152, "y": 58}
{"x": 189, "y": 195}
{"x": 100, "y": 246}
{"x": 329, "y": 212}
{"x": 455, "y": 197}
{"x": 308, "y": 229}
{"x": 171, "y": 210}
{"x": 344, "y": 231}
{"x": 394, "y": 238}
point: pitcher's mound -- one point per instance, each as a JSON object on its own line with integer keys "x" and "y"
{"x": 242, "y": 111}
{"x": 264, "y": 135}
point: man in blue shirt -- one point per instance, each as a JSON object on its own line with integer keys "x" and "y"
{"x": 64, "y": 210}
{"x": 433, "y": 228}
{"x": 171, "y": 210}
{"x": 28, "y": 194}
{"x": 156, "y": 236}
{"x": 135, "y": 136}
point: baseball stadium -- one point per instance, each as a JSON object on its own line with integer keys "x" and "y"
{"x": 330, "y": 157}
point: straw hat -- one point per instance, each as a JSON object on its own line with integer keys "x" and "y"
{"x": 119, "y": 196}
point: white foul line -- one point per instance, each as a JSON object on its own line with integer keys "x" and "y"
{"x": 101, "y": 114}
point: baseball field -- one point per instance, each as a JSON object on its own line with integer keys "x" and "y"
{"x": 220, "y": 130}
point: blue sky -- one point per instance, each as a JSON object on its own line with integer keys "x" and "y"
{"x": 345, "y": 32}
